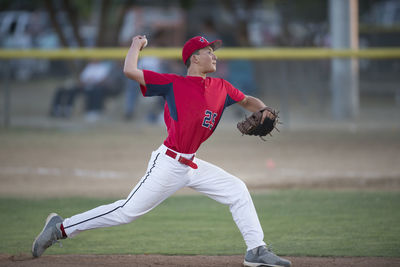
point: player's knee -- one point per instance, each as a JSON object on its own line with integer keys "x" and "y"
{"x": 128, "y": 213}
{"x": 125, "y": 216}
{"x": 240, "y": 192}
{"x": 241, "y": 186}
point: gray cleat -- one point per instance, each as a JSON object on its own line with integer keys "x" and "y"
{"x": 262, "y": 256}
{"x": 50, "y": 234}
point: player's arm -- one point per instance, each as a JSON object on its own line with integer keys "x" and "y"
{"x": 131, "y": 60}
{"x": 254, "y": 104}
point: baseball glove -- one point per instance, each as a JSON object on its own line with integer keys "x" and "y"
{"x": 252, "y": 125}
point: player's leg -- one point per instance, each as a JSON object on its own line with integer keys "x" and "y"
{"x": 159, "y": 183}
{"x": 162, "y": 179}
{"x": 229, "y": 190}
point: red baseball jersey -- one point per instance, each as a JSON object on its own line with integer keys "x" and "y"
{"x": 193, "y": 106}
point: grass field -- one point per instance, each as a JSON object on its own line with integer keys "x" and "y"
{"x": 306, "y": 222}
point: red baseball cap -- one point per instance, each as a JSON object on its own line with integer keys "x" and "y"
{"x": 197, "y": 43}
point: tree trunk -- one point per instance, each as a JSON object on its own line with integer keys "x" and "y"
{"x": 102, "y": 26}
{"x": 52, "y": 14}
{"x": 73, "y": 18}
{"x": 120, "y": 19}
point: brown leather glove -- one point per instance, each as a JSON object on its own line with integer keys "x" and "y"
{"x": 253, "y": 126}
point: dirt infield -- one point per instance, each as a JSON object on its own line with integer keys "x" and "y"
{"x": 108, "y": 163}
{"x": 188, "y": 261}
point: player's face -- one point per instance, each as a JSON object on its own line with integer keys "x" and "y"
{"x": 207, "y": 60}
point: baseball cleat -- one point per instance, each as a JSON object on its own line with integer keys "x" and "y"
{"x": 50, "y": 234}
{"x": 262, "y": 256}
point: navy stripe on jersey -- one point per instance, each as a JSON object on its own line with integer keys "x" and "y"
{"x": 228, "y": 101}
{"x": 121, "y": 206}
{"x": 167, "y": 91}
{"x": 157, "y": 89}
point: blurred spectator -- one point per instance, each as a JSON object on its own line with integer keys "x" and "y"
{"x": 93, "y": 79}
{"x": 131, "y": 96}
{"x": 97, "y": 81}
{"x": 14, "y": 35}
{"x": 64, "y": 99}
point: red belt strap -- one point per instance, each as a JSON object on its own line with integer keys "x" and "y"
{"x": 188, "y": 162}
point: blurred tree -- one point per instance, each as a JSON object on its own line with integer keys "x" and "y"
{"x": 304, "y": 10}
{"x": 108, "y": 25}
{"x": 123, "y": 9}
{"x": 72, "y": 14}
{"x": 105, "y": 6}
{"x": 19, "y": 5}
{"x": 51, "y": 10}
{"x": 186, "y": 4}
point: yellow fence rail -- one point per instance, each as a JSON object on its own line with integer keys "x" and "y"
{"x": 225, "y": 53}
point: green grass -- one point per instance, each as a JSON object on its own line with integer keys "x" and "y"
{"x": 306, "y": 223}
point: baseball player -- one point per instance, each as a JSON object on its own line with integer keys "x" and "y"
{"x": 193, "y": 109}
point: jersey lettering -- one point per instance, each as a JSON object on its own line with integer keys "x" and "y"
{"x": 209, "y": 119}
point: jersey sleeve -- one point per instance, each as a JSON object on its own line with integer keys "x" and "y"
{"x": 157, "y": 84}
{"x": 234, "y": 95}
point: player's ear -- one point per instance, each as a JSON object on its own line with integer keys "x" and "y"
{"x": 195, "y": 58}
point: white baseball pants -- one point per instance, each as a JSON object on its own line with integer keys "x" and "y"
{"x": 164, "y": 176}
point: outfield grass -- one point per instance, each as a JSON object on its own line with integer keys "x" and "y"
{"x": 306, "y": 223}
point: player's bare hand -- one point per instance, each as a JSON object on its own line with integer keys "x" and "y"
{"x": 139, "y": 41}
